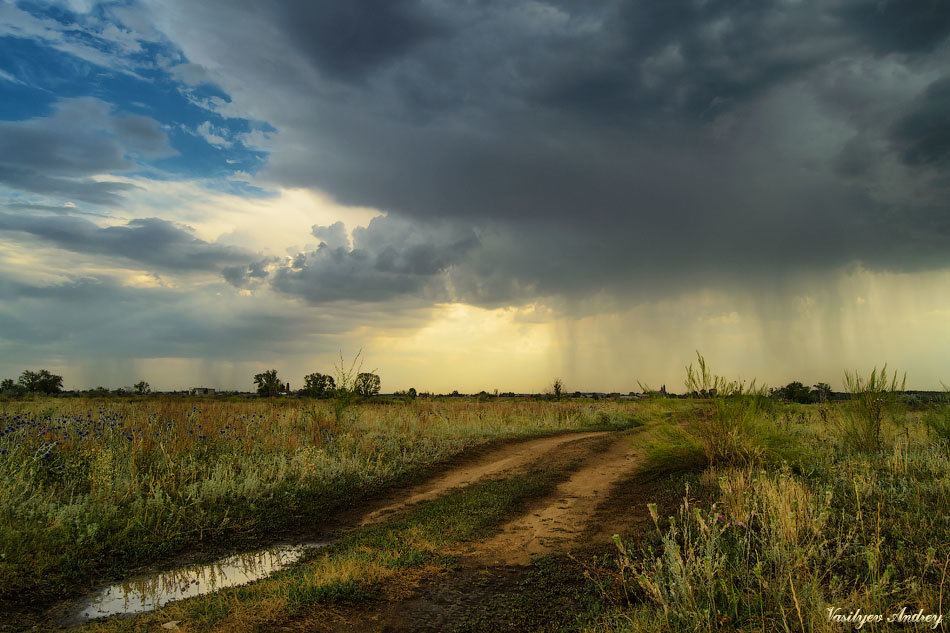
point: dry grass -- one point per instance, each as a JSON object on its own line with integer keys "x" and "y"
{"x": 88, "y": 485}
{"x": 777, "y": 544}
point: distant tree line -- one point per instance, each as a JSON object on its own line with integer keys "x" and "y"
{"x": 317, "y": 385}
{"x": 32, "y": 382}
{"x": 798, "y": 392}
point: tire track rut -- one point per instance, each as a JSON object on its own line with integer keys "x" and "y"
{"x": 558, "y": 520}
{"x": 506, "y": 458}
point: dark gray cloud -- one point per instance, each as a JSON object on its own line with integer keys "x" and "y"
{"x": 348, "y": 39}
{"x": 58, "y": 155}
{"x": 894, "y": 25}
{"x": 109, "y": 320}
{"x": 922, "y": 135}
{"x": 245, "y": 276}
{"x": 631, "y": 148}
{"x": 150, "y": 241}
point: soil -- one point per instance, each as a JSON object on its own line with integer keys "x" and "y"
{"x": 531, "y": 575}
{"x": 558, "y": 520}
{"x": 509, "y": 457}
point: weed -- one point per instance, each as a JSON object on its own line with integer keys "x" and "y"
{"x": 873, "y": 401}
{"x": 729, "y": 432}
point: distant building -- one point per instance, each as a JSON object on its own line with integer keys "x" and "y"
{"x": 202, "y": 391}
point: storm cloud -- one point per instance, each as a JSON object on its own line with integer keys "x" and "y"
{"x": 596, "y": 146}
{"x": 922, "y": 135}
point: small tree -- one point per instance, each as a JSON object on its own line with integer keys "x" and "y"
{"x": 8, "y": 387}
{"x": 318, "y": 385}
{"x": 268, "y": 384}
{"x": 367, "y": 384}
{"x": 142, "y": 388}
{"x": 556, "y": 388}
{"x": 411, "y": 393}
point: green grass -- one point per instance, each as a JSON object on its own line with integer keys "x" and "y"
{"x": 92, "y": 488}
{"x": 356, "y": 568}
{"x": 848, "y": 507}
{"x": 792, "y": 509}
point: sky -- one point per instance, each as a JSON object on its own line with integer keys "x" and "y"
{"x": 478, "y": 194}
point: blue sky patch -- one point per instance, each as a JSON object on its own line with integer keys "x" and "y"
{"x": 35, "y": 75}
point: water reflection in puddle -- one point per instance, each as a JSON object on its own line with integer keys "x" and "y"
{"x": 150, "y": 592}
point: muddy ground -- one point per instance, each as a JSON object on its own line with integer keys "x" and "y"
{"x": 528, "y": 576}
{"x": 531, "y": 575}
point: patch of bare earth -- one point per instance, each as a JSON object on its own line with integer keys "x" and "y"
{"x": 494, "y": 586}
{"x": 559, "y": 519}
{"x": 509, "y": 457}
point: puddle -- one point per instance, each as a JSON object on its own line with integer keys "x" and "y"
{"x": 151, "y": 592}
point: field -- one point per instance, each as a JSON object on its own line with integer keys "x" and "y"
{"x": 727, "y": 511}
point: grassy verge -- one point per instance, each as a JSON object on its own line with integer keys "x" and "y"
{"x": 380, "y": 558}
{"x": 804, "y": 520}
{"x": 92, "y": 488}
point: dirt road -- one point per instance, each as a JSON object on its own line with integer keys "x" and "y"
{"x": 508, "y": 457}
{"x": 491, "y": 582}
{"x": 562, "y": 517}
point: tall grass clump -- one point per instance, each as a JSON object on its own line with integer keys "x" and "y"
{"x": 742, "y": 561}
{"x": 729, "y": 431}
{"x": 937, "y": 418}
{"x": 778, "y": 550}
{"x": 874, "y": 401}
{"x": 773, "y": 546}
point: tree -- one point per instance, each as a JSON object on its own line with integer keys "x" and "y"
{"x": 142, "y": 387}
{"x": 10, "y": 388}
{"x": 268, "y": 384}
{"x": 41, "y": 381}
{"x": 795, "y": 392}
{"x": 367, "y": 384}
{"x": 822, "y": 391}
{"x": 318, "y": 385}
{"x": 556, "y": 388}
{"x": 411, "y": 393}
